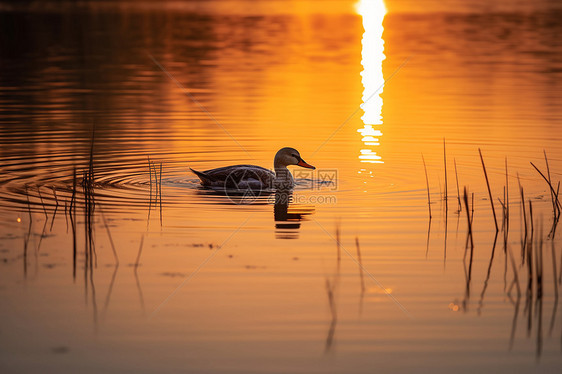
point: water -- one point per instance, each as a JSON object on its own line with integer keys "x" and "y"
{"x": 209, "y": 283}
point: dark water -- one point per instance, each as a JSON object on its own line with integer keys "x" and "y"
{"x": 208, "y": 283}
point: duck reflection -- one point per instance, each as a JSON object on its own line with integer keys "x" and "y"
{"x": 288, "y": 216}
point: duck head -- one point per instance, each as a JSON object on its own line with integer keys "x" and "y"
{"x": 289, "y": 156}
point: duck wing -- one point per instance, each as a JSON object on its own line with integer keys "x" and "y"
{"x": 237, "y": 177}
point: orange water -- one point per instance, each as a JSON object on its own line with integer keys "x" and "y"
{"x": 223, "y": 287}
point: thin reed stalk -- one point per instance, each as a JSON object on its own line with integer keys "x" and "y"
{"x": 150, "y": 201}
{"x": 558, "y": 194}
{"x": 502, "y": 205}
{"x": 28, "y": 236}
{"x": 468, "y": 219}
{"x": 530, "y": 268}
{"x": 445, "y": 166}
{"x": 56, "y": 208}
{"x": 427, "y": 184}
{"x": 72, "y": 211}
{"x": 552, "y": 192}
{"x": 553, "y": 195}
{"x": 557, "y": 215}
{"x": 506, "y": 200}
{"x": 42, "y": 202}
{"x": 360, "y": 264}
{"x": 155, "y": 180}
{"x": 458, "y": 190}
{"x": 338, "y": 242}
{"x": 472, "y": 207}
{"x": 524, "y": 218}
{"x": 489, "y": 190}
{"x": 150, "y": 173}
{"x": 91, "y": 160}
{"x": 531, "y": 219}
{"x": 46, "y": 220}
{"x": 549, "y": 185}
{"x": 160, "y": 194}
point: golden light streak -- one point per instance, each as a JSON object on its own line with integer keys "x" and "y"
{"x": 372, "y": 55}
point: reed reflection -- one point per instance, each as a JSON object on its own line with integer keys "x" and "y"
{"x": 372, "y": 54}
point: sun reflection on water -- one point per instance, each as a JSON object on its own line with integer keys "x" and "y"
{"x": 372, "y": 55}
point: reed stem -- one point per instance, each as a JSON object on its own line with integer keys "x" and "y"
{"x": 458, "y": 190}
{"x": 427, "y": 184}
{"x": 360, "y": 264}
{"x": 445, "y": 165}
{"x": 489, "y": 190}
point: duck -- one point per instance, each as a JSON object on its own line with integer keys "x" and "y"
{"x": 243, "y": 177}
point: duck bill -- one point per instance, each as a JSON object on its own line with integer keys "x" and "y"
{"x": 303, "y": 164}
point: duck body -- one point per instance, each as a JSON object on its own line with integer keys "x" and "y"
{"x": 240, "y": 177}
{"x": 244, "y": 177}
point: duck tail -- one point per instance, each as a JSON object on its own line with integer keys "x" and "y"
{"x": 205, "y": 180}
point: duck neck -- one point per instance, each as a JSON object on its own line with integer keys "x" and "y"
{"x": 281, "y": 172}
{"x": 283, "y": 178}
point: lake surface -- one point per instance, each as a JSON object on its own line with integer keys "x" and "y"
{"x": 149, "y": 272}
